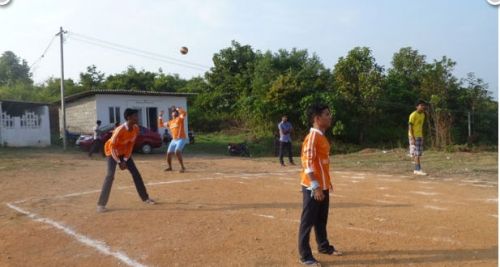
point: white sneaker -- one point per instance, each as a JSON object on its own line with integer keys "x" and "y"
{"x": 101, "y": 209}
{"x": 419, "y": 172}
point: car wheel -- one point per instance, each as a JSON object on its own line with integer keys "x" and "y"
{"x": 146, "y": 149}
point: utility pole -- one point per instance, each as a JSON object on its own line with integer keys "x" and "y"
{"x": 468, "y": 123}
{"x": 63, "y": 110}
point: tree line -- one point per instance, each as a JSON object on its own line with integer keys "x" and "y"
{"x": 249, "y": 90}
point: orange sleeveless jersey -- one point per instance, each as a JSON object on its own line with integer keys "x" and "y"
{"x": 121, "y": 142}
{"x": 176, "y": 125}
{"x": 315, "y": 159}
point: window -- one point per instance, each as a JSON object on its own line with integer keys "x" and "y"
{"x": 30, "y": 120}
{"x": 7, "y": 120}
{"x": 114, "y": 114}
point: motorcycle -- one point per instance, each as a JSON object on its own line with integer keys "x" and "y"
{"x": 240, "y": 149}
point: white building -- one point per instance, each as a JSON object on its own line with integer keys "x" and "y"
{"x": 24, "y": 124}
{"x": 84, "y": 109}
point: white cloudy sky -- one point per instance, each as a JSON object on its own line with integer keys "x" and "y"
{"x": 464, "y": 30}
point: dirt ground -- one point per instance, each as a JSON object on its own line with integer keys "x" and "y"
{"x": 236, "y": 212}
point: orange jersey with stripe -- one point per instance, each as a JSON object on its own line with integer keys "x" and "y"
{"x": 121, "y": 142}
{"x": 315, "y": 157}
{"x": 176, "y": 126}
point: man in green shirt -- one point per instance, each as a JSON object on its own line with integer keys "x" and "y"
{"x": 416, "y": 136}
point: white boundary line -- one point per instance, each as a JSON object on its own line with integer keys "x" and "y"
{"x": 100, "y": 246}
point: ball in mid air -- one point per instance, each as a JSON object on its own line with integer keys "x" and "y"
{"x": 184, "y": 50}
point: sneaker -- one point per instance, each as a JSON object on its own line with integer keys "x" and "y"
{"x": 101, "y": 209}
{"x": 420, "y": 172}
{"x": 310, "y": 262}
{"x": 283, "y": 165}
{"x": 150, "y": 201}
{"x": 331, "y": 251}
{"x": 183, "y": 170}
{"x": 168, "y": 169}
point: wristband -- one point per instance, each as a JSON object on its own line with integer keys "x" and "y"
{"x": 314, "y": 185}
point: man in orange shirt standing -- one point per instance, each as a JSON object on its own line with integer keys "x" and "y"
{"x": 178, "y": 132}
{"x": 118, "y": 150}
{"x": 316, "y": 184}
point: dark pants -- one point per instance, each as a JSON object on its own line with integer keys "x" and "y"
{"x": 96, "y": 146}
{"x": 314, "y": 213}
{"x": 110, "y": 176}
{"x": 288, "y": 147}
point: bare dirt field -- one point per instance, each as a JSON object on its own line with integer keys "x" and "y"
{"x": 236, "y": 212}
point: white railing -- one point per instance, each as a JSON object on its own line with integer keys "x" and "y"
{"x": 7, "y": 120}
{"x": 30, "y": 120}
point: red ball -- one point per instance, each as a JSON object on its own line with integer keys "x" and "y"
{"x": 184, "y": 50}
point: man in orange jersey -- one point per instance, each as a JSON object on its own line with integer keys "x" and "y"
{"x": 118, "y": 150}
{"x": 178, "y": 132}
{"x": 315, "y": 180}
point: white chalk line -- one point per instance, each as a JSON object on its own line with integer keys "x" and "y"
{"x": 100, "y": 246}
{"x": 384, "y": 232}
{"x": 431, "y": 207}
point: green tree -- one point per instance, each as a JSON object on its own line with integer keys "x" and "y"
{"x": 359, "y": 81}
{"x": 92, "y": 79}
{"x": 131, "y": 79}
{"x": 14, "y": 70}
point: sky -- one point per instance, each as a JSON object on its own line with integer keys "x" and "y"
{"x": 463, "y": 30}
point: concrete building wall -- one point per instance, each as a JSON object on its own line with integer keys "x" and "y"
{"x": 80, "y": 115}
{"x": 30, "y": 129}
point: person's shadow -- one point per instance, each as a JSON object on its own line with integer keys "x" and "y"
{"x": 407, "y": 257}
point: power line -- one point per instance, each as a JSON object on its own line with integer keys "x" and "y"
{"x": 133, "y": 53}
{"x": 136, "y": 52}
{"x": 39, "y": 59}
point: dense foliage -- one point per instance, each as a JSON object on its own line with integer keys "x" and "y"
{"x": 249, "y": 90}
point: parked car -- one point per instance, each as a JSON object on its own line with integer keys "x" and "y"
{"x": 146, "y": 141}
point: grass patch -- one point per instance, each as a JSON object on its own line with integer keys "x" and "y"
{"x": 437, "y": 163}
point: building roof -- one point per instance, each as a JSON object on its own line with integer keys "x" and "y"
{"x": 10, "y": 101}
{"x": 78, "y": 96}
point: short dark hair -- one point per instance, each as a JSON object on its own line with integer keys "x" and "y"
{"x": 98, "y": 122}
{"x": 129, "y": 112}
{"x": 314, "y": 110}
{"x": 421, "y": 102}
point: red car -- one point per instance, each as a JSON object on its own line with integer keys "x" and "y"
{"x": 145, "y": 142}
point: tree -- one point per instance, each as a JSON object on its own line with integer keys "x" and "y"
{"x": 131, "y": 79}
{"x": 403, "y": 84}
{"x": 359, "y": 81}
{"x": 92, "y": 79}
{"x": 442, "y": 89}
{"x": 14, "y": 70}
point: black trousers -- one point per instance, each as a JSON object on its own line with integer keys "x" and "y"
{"x": 288, "y": 147}
{"x": 110, "y": 176}
{"x": 314, "y": 213}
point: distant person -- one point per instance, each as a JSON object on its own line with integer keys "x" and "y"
{"x": 416, "y": 136}
{"x": 316, "y": 186}
{"x": 118, "y": 151}
{"x": 179, "y": 139}
{"x": 285, "y": 129}
{"x": 97, "y": 140}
